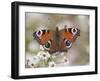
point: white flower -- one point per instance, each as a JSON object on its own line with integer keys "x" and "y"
{"x": 41, "y": 47}
{"x": 65, "y": 59}
{"x": 32, "y": 61}
{"x": 52, "y": 64}
{"x": 36, "y": 59}
{"x": 43, "y": 55}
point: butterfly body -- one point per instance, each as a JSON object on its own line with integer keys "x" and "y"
{"x": 58, "y": 40}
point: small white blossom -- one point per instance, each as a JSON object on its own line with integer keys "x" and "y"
{"x": 41, "y": 47}
{"x": 32, "y": 61}
{"x": 52, "y": 64}
{"x": 43, "y": 55}
{"x": 65, "y": 59}
{"x": 36, "y": 59}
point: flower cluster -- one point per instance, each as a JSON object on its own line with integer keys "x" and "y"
{"x": 45, "y": 59}
{"x": 42, "y": 59}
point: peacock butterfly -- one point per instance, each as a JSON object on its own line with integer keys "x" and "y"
{"x": 58, "y": 40}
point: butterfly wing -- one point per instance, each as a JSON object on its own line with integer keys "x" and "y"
{"x": 68, "y": 36}
{"x": 46, "y": 39}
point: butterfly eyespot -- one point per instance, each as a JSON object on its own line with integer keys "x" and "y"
{"x": 74, "y": 31}
{"x": 68, "y": 43}
{"x": 47, "y": 45}
{"x": 39, "y": 33}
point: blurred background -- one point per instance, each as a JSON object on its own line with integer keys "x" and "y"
{"x": 79, "y": 52}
